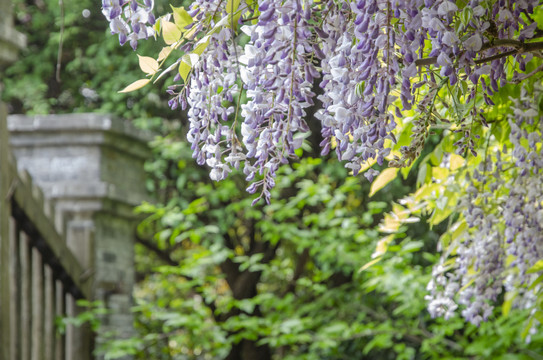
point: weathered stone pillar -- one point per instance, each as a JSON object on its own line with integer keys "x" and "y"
{"x": 91, "y": 167}
{"x": 10, "y": 43}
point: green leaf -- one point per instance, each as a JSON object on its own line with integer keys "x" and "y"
{"x": 538, "y": 266}
{"x": 423, "y": 175}
{"x": 527, "y": 328}
{"x": 138, "y": 84}
{"x": 536, "y": 282}
{"x": 370, "y": 264}
{"x": 383, "y": 179}
{"x": 382, "y": 246}
{"x": 456, "y": 162}
{"x": 538, "y": 17}
{"x": 232, "y": 6}
{"x": 187, "y": 61}
{"x": 508, "y": 302}
{"x": 201, "y": 45}
{"x": 184, "y": 70}
{"x": 190, "y": 59}
{"x": 441, "y": 214}
{"x": 181, "y": 17}
{"x": 170, "y": 32}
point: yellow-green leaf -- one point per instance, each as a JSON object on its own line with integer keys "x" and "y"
{"x": 440, "y": 173}
{"x": 232, "y": 6}
{"x": 138, "y": 84}
{"x": 406, "y": 170}
{"x": 181, "y": 17}
{"x": 527, "y": 329}
{"x": 426, "y": 190}
{"x": 382, "y": 246}
{"x": 424, "y": 175}
{"x": 440, "y": 214}
{"x": 383, "y": 179}
{"x": 190, "y": 59}
{"x": 232, "y": 9}
{"x": 508, "y": 302}
{"x": 184, "y": 70}
{"x": 536, "y": 282}
{"x": 366, "y": 165}
{"x": 459, "y": 228}
{"x": 369, "y": 264}
{"x": 467, "y": 285}
{"x": 538, "y": 266}
{"x": 201, "y": 45}
{"x": 170, "y": 32}
{"x": 456, "y": 161}
{"x": 164, "y": 53}
{"x": 157, "y": 28}
{"x": 539, "y": 314}
{"x": 148, "y": 65}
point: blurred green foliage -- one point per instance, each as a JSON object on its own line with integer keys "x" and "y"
{"x": 93, "y": 67}
{"x": 223, "y": 280}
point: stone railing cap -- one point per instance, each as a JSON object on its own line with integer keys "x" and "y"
{"x": 75, "y": 122}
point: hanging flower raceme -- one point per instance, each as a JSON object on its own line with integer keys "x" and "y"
{"x": 210, "y": 109}
{"x": 504, "y": 218}
{"x": 278, "y": 74}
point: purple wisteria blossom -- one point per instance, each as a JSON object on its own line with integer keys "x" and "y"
{"x": 357, "y": 79}
{"x": 208, "y": 114}
{"x": 505, "y": 233}
{"x": 129, "y": 19}
{"x": 372, "y": 57}
{"x": 278, "y": 76}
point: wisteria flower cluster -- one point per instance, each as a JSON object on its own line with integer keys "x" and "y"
{"x": 363, "y": 61}
{"x": 504, "y": 218}
{"x": 249, "y": 70}
{"x": 208, "y": 116}
{"x": 129, "y": 19}
{"x": 278, "y": 75}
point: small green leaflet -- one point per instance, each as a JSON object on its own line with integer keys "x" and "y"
{"x": 508, "y": 302}
{"x": 184, "y": 70}
{"x": 201, "y": 45}
{"x": 231, "y": 9}
{"x": 369, "y": 264}
{"x": 232, "y": 6}
{"x": 538, "y": 266}
{"x": 186, "y": 64}
{"x": 383, "y": 179}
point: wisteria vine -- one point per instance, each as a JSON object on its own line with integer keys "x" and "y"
{"x": 363, "y": 64}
